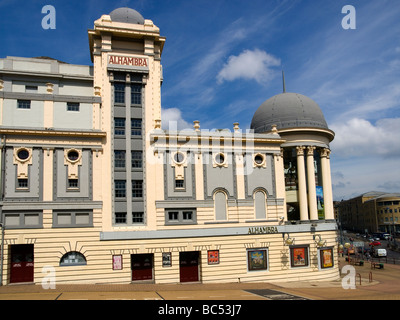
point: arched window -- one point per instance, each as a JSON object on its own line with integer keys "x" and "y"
{"x": 260, "y": 208}
{"x": 73, "y": 258}
{"x": 220, "y": 205}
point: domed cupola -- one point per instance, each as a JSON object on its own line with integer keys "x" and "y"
{"x": 126, "y": 15}
{"x": 288, "y": 110}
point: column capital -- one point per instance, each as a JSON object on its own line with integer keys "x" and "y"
{"x": 310, "y": 150}
{"x": 300, "y": 150}
{"x": 325, "y": 152}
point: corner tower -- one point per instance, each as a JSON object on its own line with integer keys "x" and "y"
{"x": 126, "y": 52}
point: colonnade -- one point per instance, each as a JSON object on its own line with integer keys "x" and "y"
{"x": 308, "y": 205}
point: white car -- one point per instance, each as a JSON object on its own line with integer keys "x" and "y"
{"x": 380, "y": 253}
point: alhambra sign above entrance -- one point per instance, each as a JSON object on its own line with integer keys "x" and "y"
{"x": 261, "y": 230}
{"x": 136, "y": 63}
{"x": 223, "y": 231}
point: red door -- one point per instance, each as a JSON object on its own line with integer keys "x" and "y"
{"x": 189, "y": 266}
{"x": 21, "y": 263}
{"x": 142, "y": 267}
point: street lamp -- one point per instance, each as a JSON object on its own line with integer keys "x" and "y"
{"x": 347, "y": 246}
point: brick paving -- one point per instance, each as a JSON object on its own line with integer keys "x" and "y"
{"x": 385, "y": 285}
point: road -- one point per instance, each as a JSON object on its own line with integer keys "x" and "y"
{"x": 384, "y": 245}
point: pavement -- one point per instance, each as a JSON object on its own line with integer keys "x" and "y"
{"x": 370, "y": 284}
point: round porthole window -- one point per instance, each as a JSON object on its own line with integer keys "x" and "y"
{"x": 179, "y": 157}
{"x": 73, "y": 155}
{"x": 23, "y": 154}
{"x": 258, "y": 159}
{"x": 219, "y": 158}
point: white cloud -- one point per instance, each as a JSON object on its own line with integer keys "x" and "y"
{"x": 359, "y": 137}
{"x": 249, "y": 65}
{"x": 171, "y": 119}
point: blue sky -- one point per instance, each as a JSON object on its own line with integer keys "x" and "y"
{"x": 354, "y": 75}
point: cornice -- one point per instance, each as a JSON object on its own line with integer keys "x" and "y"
{"x": 52, "y": 132}
{"x": 327, "y": 132}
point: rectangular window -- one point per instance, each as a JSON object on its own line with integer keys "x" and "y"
{"x": 179, "y": 184}
{"x": 119, "y": 92}
{"x": 173, "y": 216}
{"x": 64, "y": 219}
{"x": 72, "y": 106}
{"x": 31, "y": 89}
{"x": 137, "y": 189}
{"x": 187, "y": 215}
{"x": 23, "y": 220}
{"x": 82, "y": 218}
{"x": 31, "y": 219}
{"x": 137, "y": 217}
{"x": 24, "y": 104}
{"x": 73, "y": 184}
{"x": 180, "y": 216}
{"x": 136, "y": 94}
{"x": 119, "y": 126}
{"x": 136, "y": 127}
{"x": 119, "y": 158}
{"x": 22, "y": 183}
{"x": 120, "y": 217}
{"x": 137, "y": 159}
{"x": 120, "y": 188}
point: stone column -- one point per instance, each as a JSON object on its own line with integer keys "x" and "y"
{"x": 301, "y": 177}
{"x": 312, "y": 193}
{"x": 327, "y": 184}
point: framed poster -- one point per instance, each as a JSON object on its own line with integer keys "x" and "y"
{"x": 117, "y": 262}
{"x": 213, "y": 256}
{"x": 257, "y": 259}
{"x": 166, "y": 259}
{"x": 299, "y": 256}
{"x": 326, "y": 257}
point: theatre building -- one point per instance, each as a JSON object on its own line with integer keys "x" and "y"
{"x": 95, "y": 191}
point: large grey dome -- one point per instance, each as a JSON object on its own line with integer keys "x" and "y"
{"x": 126, "y": 15}
{"x": 288, "y": 110}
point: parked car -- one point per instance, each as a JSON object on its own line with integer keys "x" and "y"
{"x": 375, "y": 243}
{"x": 380, "y": 253}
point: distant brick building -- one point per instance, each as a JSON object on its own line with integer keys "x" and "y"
{"x": 371, "y": 212}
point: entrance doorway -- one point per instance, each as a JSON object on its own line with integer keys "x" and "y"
{"x": 142, "y": 267}
{"x": 21, "y": 263}
{"x": 189, "y": 266}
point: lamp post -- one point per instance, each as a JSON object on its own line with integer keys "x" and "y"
{"x": 347, "y": 246}
{"x": 394, "y": 231}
